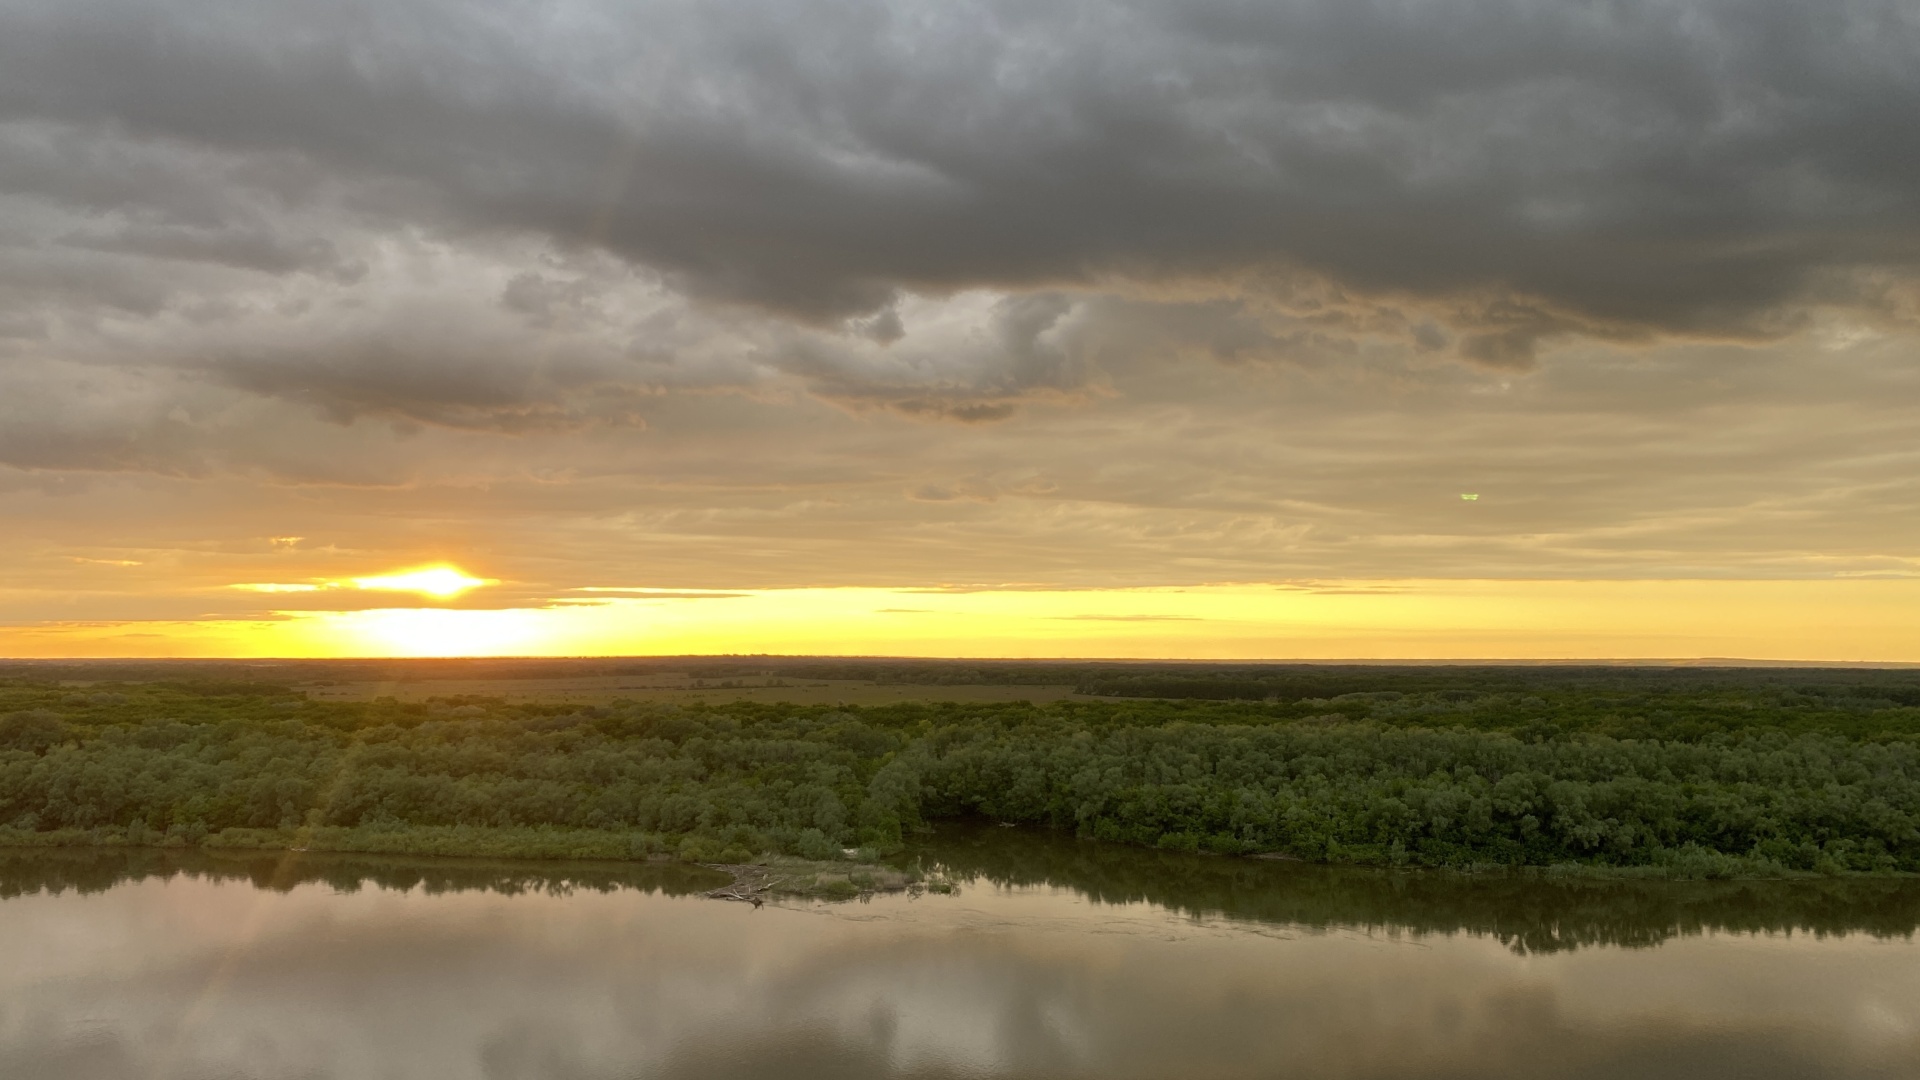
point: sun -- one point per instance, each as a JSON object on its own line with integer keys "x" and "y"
{"x": 443, "y": 582}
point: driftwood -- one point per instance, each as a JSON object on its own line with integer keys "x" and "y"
{"x": 748, "y": 883}
{"x": 754, "y": 883}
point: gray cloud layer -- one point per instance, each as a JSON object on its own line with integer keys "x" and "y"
{"x": 1109, "y": 291}
{"x": 1618, "y": 168}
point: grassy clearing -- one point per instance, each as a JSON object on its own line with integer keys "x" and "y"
{"x": 682, "y": 688}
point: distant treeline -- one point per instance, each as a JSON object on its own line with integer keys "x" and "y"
{"x": 1210, "y": 680}
{"x": 1706, "y": 776}
{"x": 1584, "y": 690}
{"x": 277, "y": 673}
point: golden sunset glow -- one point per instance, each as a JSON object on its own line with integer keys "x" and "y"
{"x": 1866, "y": 621}
{"x": 428, "y": 632}
{"x": 766, "y": 383}
{"x": 849, "y": 458}
{"x": 440, "y": 581}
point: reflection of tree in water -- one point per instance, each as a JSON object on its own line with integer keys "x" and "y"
{"x": 92, "y": 870}
{"x": 1528, "y": 912}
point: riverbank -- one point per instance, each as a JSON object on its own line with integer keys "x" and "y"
{"x": 1527, "y": 910}
{"x": 755, "y": 877}
{"x": 777, "y": 877}
{"x": 857, "y": 872}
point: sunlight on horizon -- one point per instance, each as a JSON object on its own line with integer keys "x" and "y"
{"x": 442, "y": 582}
{"x": 1844, "y": 620}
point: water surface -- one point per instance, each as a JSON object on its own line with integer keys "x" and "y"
{"x": 1055, "y": 959}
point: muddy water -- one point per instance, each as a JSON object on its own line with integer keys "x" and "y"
{"x": 1054, "y": 959}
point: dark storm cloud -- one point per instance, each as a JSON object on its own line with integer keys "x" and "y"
{"x": 241, "y": 248}
{"x": 467, "y": 385}
{"x": 1527, "y": 170}
{"x": 1022, "y": 348}
{"x": 1063, "y": 292}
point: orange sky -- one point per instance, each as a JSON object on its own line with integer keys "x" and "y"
{"x": 1124, "y": 327}
{"x": 1867, "y": 621}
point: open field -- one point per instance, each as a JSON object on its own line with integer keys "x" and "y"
{"x": 679, "y": 687}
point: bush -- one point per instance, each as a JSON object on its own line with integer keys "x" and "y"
{"x": 1357, "y": 779}
{"x": 814, "y": 844}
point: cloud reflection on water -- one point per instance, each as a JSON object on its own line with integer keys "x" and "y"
{"x": 1025, "y": 982}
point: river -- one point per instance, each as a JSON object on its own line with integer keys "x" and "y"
{"x": 1053, "y": 959}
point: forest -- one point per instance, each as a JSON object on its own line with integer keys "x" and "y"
{"x": 1688, "y": 773}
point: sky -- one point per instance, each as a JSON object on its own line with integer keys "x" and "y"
{"x": 1231, "y": 328}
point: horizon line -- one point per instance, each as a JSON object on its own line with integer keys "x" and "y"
{"x": 1695, "y": 661}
